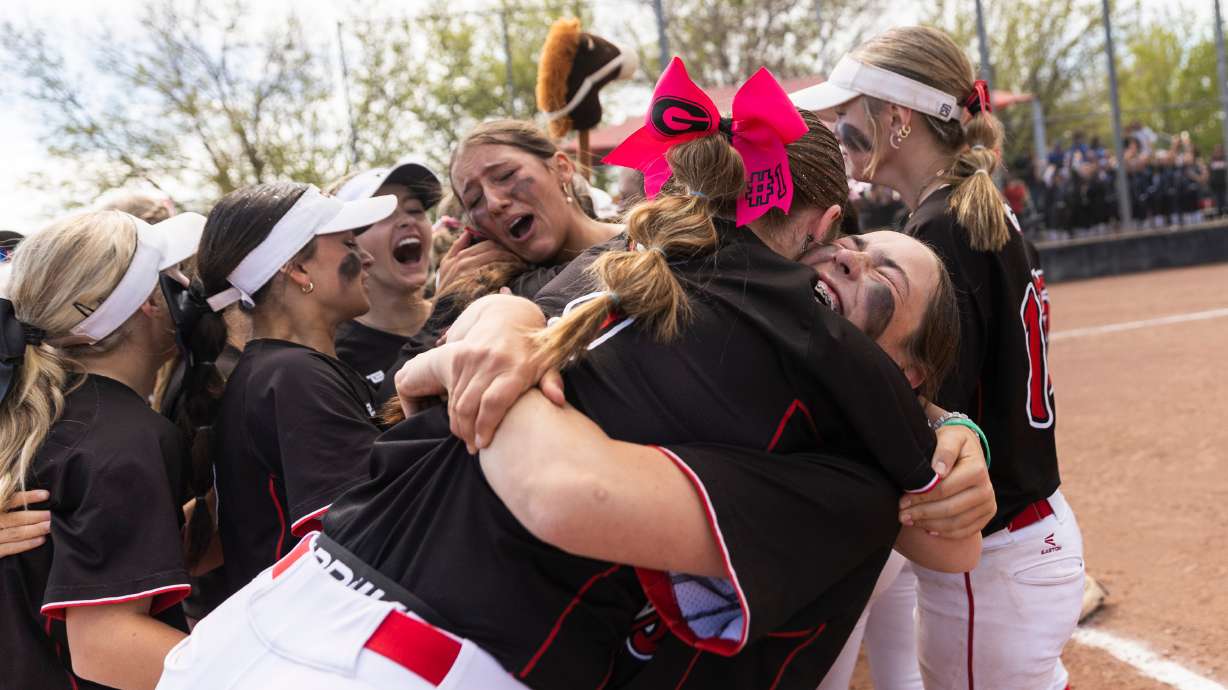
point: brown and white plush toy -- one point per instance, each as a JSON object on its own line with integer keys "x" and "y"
{"x": 574, "y": 67}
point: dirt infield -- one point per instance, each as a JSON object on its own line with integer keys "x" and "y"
{"x": 1143, "y": 443}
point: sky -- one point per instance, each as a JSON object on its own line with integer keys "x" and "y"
{"x": 25, "y": 206}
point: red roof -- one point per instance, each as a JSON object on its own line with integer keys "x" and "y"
{"x": 602, "y": 140}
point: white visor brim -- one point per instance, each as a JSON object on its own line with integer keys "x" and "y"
{"x": 852, "y": 78}
{"x": 158, "y": 247}
{"x": 313, "y": 214}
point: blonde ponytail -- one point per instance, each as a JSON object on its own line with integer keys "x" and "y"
{"x": 976, "y": 202}
{"x": 26, "y": 416}
{"x": 59, "y": 274}
{"x": 638, "y": 282}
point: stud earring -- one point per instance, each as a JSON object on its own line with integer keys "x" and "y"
{"x": 308, "y": 287}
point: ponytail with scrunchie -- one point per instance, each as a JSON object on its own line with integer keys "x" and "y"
{"x": 976, "y": 201}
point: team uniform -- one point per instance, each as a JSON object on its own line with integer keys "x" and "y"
{"x": 764, "y": 370}
{"x": 113, "y": 468}
{"x": 371, "y": 352}
{"x": 1004, "y": 624}
{"x": 293, "y": 432}
{"x": 887, "y": 626}
{"x": 446, "y": 310}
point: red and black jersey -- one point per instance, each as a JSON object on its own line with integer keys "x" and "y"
{"x": 1001, "y": 378}
{"x": 740, "y": 404}
{"x": 113, "y": 468}
{"x": 293, "y": 432}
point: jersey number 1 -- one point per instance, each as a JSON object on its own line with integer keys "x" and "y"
{"x": 1034, "y": 313}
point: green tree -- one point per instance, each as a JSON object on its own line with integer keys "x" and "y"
{"x": 195, "y": 102}
{"x": 1052, "y": 49}
{"x": 725, "y": 42}
{"x": 1167, "y": 80}
{"x": 418, "y": 84}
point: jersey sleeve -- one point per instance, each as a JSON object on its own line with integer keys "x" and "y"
{"x": 969, "y": 271}
{"x": 324, "y": 436}
{"x": 789, "y": 527}
{"x": 115, "y": 532}
{"x": 869, "y": 389}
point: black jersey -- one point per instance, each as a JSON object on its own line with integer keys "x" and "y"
{"x": 370, "y": 351}
{"x": 1001, "y": 378}
{"x": 445, "y": 312}
{"x": 752, "y": 372}
{"x": 112, "y": 467}
{"x": 293, "y": 432}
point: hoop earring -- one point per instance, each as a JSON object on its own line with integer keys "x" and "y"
{"x": 308, "y": 287}
{"x": 898, "y": 136}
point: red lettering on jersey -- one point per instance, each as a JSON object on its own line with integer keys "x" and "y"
{"x": 1034, "y": 312}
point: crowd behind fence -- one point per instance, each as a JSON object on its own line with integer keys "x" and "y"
{"x": 1073, "y": 192}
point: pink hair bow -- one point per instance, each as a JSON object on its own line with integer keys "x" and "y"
{"x": 764, "y": 121}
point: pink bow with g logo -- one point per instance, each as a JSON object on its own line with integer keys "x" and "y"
{"x": 764, "y": 121}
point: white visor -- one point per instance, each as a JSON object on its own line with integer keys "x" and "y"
{"x": 313, "y": 214}
{"x": 365, "y": 184}
{"x": 158, "y": 247}
{"x": 851, "y": 79}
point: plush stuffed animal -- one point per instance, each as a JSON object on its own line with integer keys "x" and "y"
{"x": 574, "y": 66}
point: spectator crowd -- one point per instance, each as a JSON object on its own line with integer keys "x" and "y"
{"x": 1073, "y": 192}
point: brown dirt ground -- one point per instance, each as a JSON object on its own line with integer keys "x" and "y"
{"x": 1143, "y": 444}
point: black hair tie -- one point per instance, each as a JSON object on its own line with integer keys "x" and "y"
{"x": 14, "y": 337}
{"x": 726, "y": 127}
{"x": 33, "y": 334}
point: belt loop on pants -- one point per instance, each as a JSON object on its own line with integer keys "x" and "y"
{"x": 405, "y": 640}
{"x": 1032, "y": 514}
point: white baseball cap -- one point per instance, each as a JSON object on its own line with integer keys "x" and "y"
{"x": 158, "y": 247}
{"x": 411, "y": 171}
{"x": 852, "y": 78}
{"x": 313, "y": 214}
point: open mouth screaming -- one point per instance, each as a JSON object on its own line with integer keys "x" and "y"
{"x": 521, "y": 227}
{"x": 408, "y": 251}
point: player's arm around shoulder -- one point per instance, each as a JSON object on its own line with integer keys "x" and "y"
{"x": 942, "y": 527}
{"x": 574, "y": 487}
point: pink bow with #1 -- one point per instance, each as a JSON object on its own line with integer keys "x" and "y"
{"x": 764, "y": 121}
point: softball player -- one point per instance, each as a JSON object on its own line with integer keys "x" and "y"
{"x": 518, "y": 192}
{"x": 294, "y": 424}
{"x": 400, "y": 247}
{"x": 83, "y": 337}
{"x": 759, "y": 364}
{"x": 911, "y": 117}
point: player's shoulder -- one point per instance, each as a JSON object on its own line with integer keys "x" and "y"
{"x": 281, "y": 362}
{"x": 574, "y": 280}
{"x": 106, "y": 428}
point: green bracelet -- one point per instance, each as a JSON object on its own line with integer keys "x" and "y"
{"x": 964, "y": 421}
